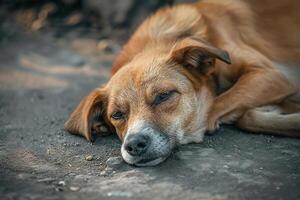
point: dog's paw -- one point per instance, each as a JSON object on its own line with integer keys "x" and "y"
{"x": 100, "y": 128}
{"x": 212, "y": 126}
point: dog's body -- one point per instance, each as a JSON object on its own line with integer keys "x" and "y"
{"x": 190, "y": 67}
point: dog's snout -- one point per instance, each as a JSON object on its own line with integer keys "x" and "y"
{"x": 137, "y": 144}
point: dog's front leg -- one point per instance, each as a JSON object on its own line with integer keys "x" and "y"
{"x": 254, "y": 88}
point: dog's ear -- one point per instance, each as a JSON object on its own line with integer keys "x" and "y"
{"x": 191, "y": 52}
{"x": 88, "y": 113}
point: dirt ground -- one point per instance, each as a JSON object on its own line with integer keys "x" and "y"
{"x": 43, "y": 77}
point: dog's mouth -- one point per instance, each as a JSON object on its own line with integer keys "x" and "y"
{"x": 150, "y": 158}
{"x": 146, "y": 160}
{"x": 150, "y": 162}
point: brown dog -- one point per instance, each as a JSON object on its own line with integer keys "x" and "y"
{"x": 191, "y": 67}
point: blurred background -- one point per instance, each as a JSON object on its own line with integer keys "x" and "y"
{"x": 58, "y": 39}
{"x": 95, "y": 18}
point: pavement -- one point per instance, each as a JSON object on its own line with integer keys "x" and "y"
{"x": 42, "y": 79}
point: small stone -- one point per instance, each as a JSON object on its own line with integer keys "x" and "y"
{"x": 74, "y": 188}
{"x": 113, "y": 161}
{"x": 62, "y": 183}
{"x": 226, "y": 166}
{"x": 106, "y": 172}
{"x": 103, "y": 173}
{"x": 89, "y": 158}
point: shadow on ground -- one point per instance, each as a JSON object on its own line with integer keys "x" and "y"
{"x": 42, "y": 78}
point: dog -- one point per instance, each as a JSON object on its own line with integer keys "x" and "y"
{"x": 191, "y": 67}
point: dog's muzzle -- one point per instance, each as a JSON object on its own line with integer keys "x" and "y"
{"x": 145, "y": 145}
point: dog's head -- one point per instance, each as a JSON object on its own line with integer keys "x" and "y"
{"x": 158, "y": 99}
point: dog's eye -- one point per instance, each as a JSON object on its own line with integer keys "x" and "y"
{"x": 118, "y": 115}
{"x": 163, "y": 97}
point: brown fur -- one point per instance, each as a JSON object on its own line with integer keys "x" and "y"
{"x": 187, "y": 48}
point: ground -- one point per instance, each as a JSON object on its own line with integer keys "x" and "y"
{"x": 43, "y": 77}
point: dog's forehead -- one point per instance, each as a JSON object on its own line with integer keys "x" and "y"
{"x": 138, "y": 75}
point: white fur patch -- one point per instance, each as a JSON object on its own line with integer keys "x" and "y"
{"x": 196, "y": 137}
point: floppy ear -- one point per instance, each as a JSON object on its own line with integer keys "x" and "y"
{"x": 89, "y": 111}
{"x": 194, "y": 53}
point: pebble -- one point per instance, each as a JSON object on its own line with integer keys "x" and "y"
{"x": 89, "y": 158}
{"x": 107, "y": 171}
{"x": 62, "y": 183}
{"x": 104, "y": 173}
{"x": 74, "y": 188}
{"x": 113, "y": 161}
{"x": 226, "y": 166}
{"x": 77, "y": 144}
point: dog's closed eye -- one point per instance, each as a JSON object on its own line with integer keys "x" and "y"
{"x": 118, "y": 115}
{"x": 161, "y": 97}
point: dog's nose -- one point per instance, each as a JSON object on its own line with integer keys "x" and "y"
{"x": 137, "y": 144}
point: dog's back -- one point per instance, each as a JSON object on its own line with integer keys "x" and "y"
{"x": 271, "y": 27}
{"x": 278, "y": 22}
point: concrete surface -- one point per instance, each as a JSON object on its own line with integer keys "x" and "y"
{"x": 41, "y": 80}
